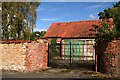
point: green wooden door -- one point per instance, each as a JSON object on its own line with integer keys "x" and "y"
{"x": 67, "y": 47}
{"x": 77, "y": 47}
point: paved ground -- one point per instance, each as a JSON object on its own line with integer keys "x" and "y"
{"x": 56, "y": 73}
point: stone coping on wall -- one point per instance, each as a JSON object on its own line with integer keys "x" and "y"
{"x": 14, "y": 41}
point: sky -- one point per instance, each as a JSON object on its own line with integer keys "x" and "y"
{"x": 51, "y": 12}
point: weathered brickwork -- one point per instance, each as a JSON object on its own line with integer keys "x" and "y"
{"x": 109, "y": 57}
{"x": 13, "y": 56}
{"x": 24, "y": 57}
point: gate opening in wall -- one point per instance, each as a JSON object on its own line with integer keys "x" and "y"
{"x": 72, "y": 53}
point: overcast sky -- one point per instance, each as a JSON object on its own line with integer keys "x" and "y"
{"x": 49, "y": 12}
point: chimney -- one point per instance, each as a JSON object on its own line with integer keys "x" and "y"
{"x": 111, "y": 21}
{"x": 111, "y": 24}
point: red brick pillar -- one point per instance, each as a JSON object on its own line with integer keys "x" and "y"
{"x": 108, "y": 57}
{"x": 45, "y": 54}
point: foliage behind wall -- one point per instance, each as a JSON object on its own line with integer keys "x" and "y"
{"x": 18, "y": 19}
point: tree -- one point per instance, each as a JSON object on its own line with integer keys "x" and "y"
{"x": 37, "y": 34}
{"x": 42, "y": 33}
{"x": 104, "y": 32}
{"x": 0, "y": 19}
{"x": 18, "y": 19}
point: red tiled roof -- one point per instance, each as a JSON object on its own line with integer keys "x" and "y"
{"x": 78, "y": 29}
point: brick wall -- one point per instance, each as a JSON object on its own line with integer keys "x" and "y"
{"x": 13, "y": 56}
{"x": 24, "y": 57}
{"x": 109, "y": 57}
